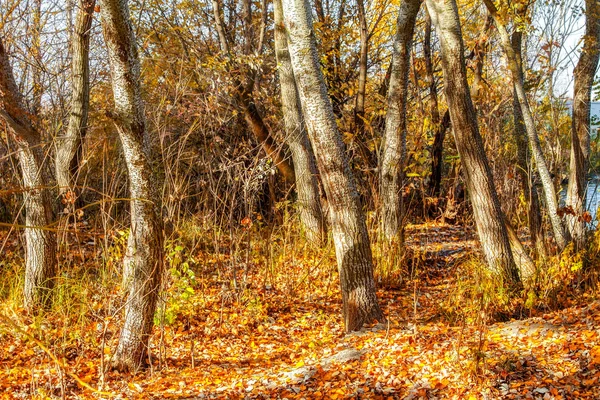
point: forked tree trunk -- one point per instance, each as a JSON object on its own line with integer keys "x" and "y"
{"x": 40, "y": 252}
{"x": 68, "y": 149}
{"x": 584, "y": 74}
{"x": 488, "y": 214}
{"x": 309, "y": 202}
{"x": 350, "y": 236}
{"x": 534, "y": 141}
{"x": 143, "y": 262}
{"x": 524, "y": 170}
{"x": 393, "y": 149}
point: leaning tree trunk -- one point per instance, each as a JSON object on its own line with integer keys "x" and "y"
{"x": 534, "y": 141}
{"x": 488, "y": 214}
{"x": 393, "y": 149}
{"x": 534, "y": 213}
{"x": 40, "y": 253}
{"x": 584, "y": 74}
{"x": 68, "y": 149}
{"x": 143, "y": 262}
{"x": 309, "y": 202}
{"x": 350, "y": 236}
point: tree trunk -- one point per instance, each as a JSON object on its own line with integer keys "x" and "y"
{"x": 393, "y": 149}
{"x": 350, "y": 236}
{"x": 437, "y": 152}
{"x": 534, "y": 214}
{"x": 143, "y": 262}
{"x": 309, "y": 202}
{"x": 273, "y": 150}
{"x": 40, "y": 253}
{"x": 437, "y": 149}
{"x": 359, "y": 108}
{"x": 534, "y": 140}
{"x": 584, "y": 74}
{"x": 488, "y": 214}
{"x": 68, "y": 150}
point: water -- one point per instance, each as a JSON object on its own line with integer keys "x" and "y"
{"x": 592, "y": 200}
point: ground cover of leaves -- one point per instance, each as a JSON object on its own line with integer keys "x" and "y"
{"x": 272, "y": 340}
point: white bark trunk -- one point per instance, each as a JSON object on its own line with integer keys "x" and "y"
{"x": 393, "y": 151}
{"x": 534, "y": 140}
{"x": 488, "y": 214}
{"x": 143, "y": 262}
{"x": 309, "y": 202}
{"x": 350, "y": 236}
{"x": 69, "y": 145}
{"x": 40, "y": 253}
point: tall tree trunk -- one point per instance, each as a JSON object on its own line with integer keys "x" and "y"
{"x": 68, "y": 150}
{"x": 488, "y": 214}
{"x": 309, "y": 203}
{"x": 584, "y": 74}
{"x": 40, "y": 253}
{"x": 534, "y": 141}
{"x": 435, "y": 182}
{"x": 350, "y": 236}
{"x": 359, "y": 108}
{"x": 143, "y": 262}
{"x": 393, "y": 149}
{"x": 524, "y": 170}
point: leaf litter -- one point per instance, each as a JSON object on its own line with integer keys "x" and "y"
{"x": 266, "y": 342}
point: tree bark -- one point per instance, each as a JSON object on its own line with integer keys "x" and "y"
{"x": 435, "y": 182}
{"x": 359, "y": 108}
{"x": 143, "y": 263}
{"x": 534, "y": 141}
{"x": 40, "y": 252}
{"x": 488, "y": 214}
{"x": 309, "y": 202}
{"x": 534, "y": 214}
{"x": 393, "y": 149}
{"x": 68, "y": 152}
{"x": 583, "y": 74}
{"x": 350, "y": 236}
{"x": 273, "y": 150}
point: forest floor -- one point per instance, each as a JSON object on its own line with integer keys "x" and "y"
{"x": 281, "y": 335}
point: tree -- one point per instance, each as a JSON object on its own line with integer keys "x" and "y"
{"x": 244, "y": 86}
{"x": 560, "y": 235}
{"x": 534, "y": 214}
{"x": 311, "y": 214}
{"x": 393, "y": 152}
{"x": 69, "y": 146}
{"x": 359, "y": 107}
{"x": 488, "y": 214}
{"x": 40, "y": 240}
{"x": 350, "y": 236}
{"x": 143, "y": 263}
{"x": 584, "y": 75}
